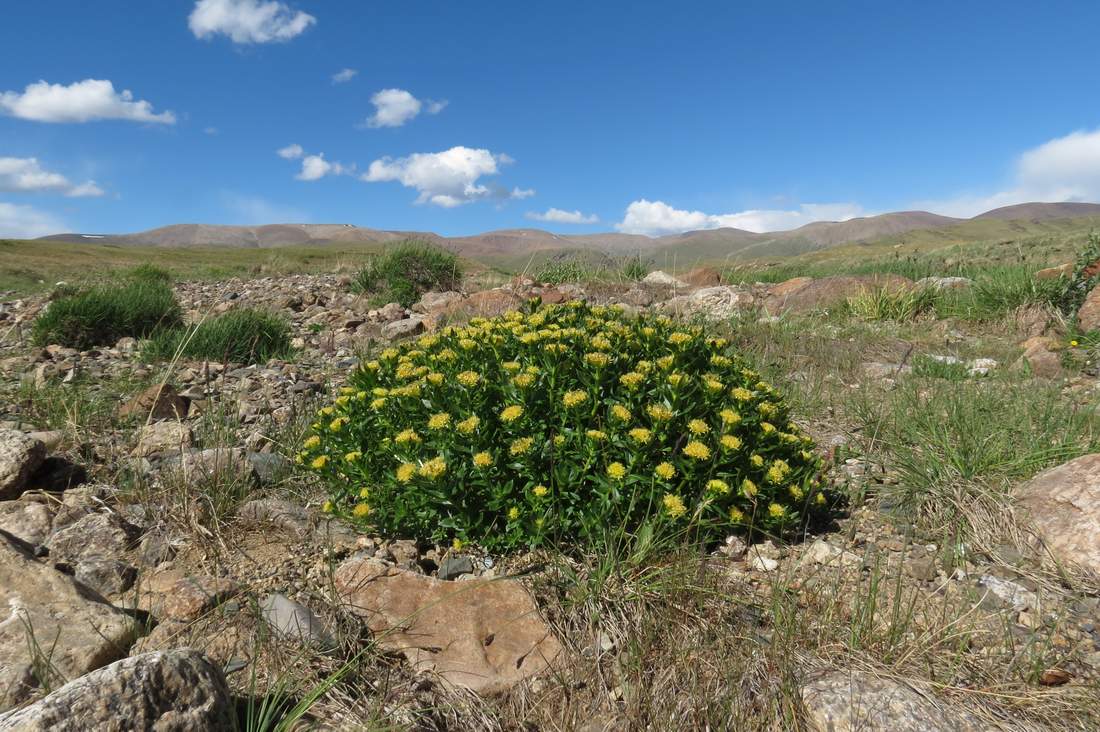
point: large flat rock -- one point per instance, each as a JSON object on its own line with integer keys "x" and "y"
{"x": 52, "y": 628}
{"x": 20, "y": 456}
{"x": 1063, "y": 505}
{"x": 481, "y": 635}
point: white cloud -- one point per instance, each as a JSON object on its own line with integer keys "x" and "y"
{"x": 25, "y": 175}
{"x": 395, "y": 107}
{"x": 290, "y": 152}
{"x": 81, "y": 101}
{"x": 25, "y": 222}
{"x": 517, "y": 193}
{"x": 1063, "y": 169}
{"x": 654, "y": 218}
{"x": 315, "y": 167}
{"x": 344, "y": 75}
{"x": 255, "y": 210}
{"x": 449, "y": 178}
{"x": 558, "y": 216}
{"x": 212, "y": 131}
{"x": 248, "y": 21}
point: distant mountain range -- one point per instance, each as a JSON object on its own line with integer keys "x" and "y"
{"x": 711, "y": 243}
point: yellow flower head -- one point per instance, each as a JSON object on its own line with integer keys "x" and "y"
{"x": 748, "y": 488}
{"x": 373, "y": 365}
{"x": 778, "y": 471}
{"x": 439, "y": 421}
{"x": 698, "y": 427}
{"x": 469, "y": 424}
{"x": 665, "y": 471}
{"x": 597, "y": 359}
{"x": 540, "y": 490}
{"x": 718, "y": 486}
{"x": 319, "y": 462}
{"x": 457, "y": 544}
{"x": 434, "y": 468}
{"x": 364, "y": 492}
{"x": 523, "y": 380}
{"x": 756, "y": 460}
{"x": 483, "y": 460}
{"x": 617, "y": 471}
{"x": 678, "y": 338}
{"x": 337, "y": 424}
{"x": 327, "y": 507}
{"x": 737, "y": 516}
{"x": 468, "y": 378}
{"x": 559, "y": 440}
{"x": 620, "y": 413}
{"x": 641, "y": 435}
{"x": 352, "y": 457}
{"x": 511, "y": 414}
{"x": 435, "y": 378}
{"x": 720, "y": 361}
{"x": 659, "y": 412}
{"x": 467, "y": 344}
{"x": 405, "y": 472}
{"x": 406, "y": 436}
{"x": 631, "y": 380}
{"x": 665, "y": 362}
{"x": 574, "y": 398}
{"x": 697, "y": 450}
{"x": 513, "y": 513}
{"x": 596, "y": 435}
{"x": 522, "y": 446}
{"x": 741, "y": 394}
{"x": 730, "y": 442}
{"x": 776, "y": 511}
{"x": 674, "y": 505}
{"x": 676, "y": 378}
{"x": 342, "y": 401}
{"x": 796, "y": 492}
{"x": 378, "y": 403}
{"x": 311, "y": 442}
{"x": 361, "y": 510}
{"x": 714, "y": 385}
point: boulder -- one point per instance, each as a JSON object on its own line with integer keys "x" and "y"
{"x": 711, "y": 303}
{"x": 804, "y": 295}
{"x": 162, "y": 437}
{"x": 282, "y": 514}
{"x": 1053, "y": 273}
{"x": 293, "y": 621}
{"x": 432, "y": 301}
{"x": 481, "y": 635}
{"x": 1040, "y": 359}
{"x": 851, "y": 701}
{"x": 92, "y": 535}
{"x": 703, "y": 277}
{"x": 484, "y": 304}
{"x": 20, "y": 456}
{"x": 397, "y": 329}
{"x": 1063, "y": 505}
{"x": 26, "y": 520}
{"x": 1088, "y": 316}
{"x": 50, "y": 617}
{"x": 166, "y": 691}
{"x": 657, "y": 278}
{"x": 160, "y": 401}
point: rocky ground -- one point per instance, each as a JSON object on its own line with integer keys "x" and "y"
{"x": 162, "y": 561}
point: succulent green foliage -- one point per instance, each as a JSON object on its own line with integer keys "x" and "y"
{"x": 557, "y": 424}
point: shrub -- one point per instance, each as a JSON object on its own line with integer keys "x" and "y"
{"x": 103, "y": 314}
{"x": 406, "y": 271}
{"x": 238, "y": 336}
{"x": 900, "y": 304}
{"x": 1086, "y": 276}
{"x": 562, "y": 424}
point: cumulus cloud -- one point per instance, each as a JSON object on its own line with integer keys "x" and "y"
{"x": 1063, "y": 169}
{"x": 290, "y": 152}
{"x": 395, "y": 107}
{"x": 81, "y": 101}
{"x": 558, "y": 216}
{"x": 248, "y": 21}
{"x": 26, "y": 175}
{"x": 655, "y": 218}
{"x": 25, "y": 222}
{"x": 448, "y": 179}
{"x": 315, "y": 167}
{"x": 344, "y": 75}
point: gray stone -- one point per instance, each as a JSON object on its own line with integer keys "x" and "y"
{"x": 26, "y": 520}
{"x": 94, "y": 534}
{"x": 268, "y": 466}
{"x": 283, "y": 514}
{"x": 20, "y": 456}
{"x": 657, "y": 278}
{"x": 430, "y": 301}
{"x": 1063, "y": 506}
{"x": 854, "y": 701}
{"x": 402, "y": 328}
{"x": 294, "y": 621}
{"x": 165, "y": 691}
{"x": 945, "y": 283}
{"x": 162, "y": 437}
{"x": 49, "y": 616}
{"x": 1011, "y": 593}
{"x": 105, "y": 575}
{"x": 452, "y": 567}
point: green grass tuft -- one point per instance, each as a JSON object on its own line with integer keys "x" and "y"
{"x": 239, "y": 336}
{"x": 406, "y": 271}
{"x": 100, "y": 316}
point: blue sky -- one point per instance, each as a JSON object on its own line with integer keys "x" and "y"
{"x": 465, "y": 117}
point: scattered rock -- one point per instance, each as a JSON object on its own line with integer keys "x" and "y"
{"x": 93, "y": 535}
{"x": 703, "y": 277}
{"x": 105, "y": 575}
{"x": 166, "y": 690}
{"x": 657, "y": 278}
{"x": 402, "y": 328}
{"x": 1053, "y": 273}
{"x": 294, "y": 621}
{"x": 431, "y": 301}
{"x": 156, "y": 403}
{"x": 283, "y": 514}
{"x": 158, "y": 437}
{"x": 451, "y": 567}
{"x": 20, "y": 456}
{"x": 60, "y": 614}
{"x": 851, "y": 701}
{"x": 1063, "y": 505}
{"x": 822, "y": 552}
{"x": 804, "y": 295}
{"x": 1041, "y": 361}
{"x": 945, "y": 283}
{"x": 389, "y": 312}
{"x": 481, "y": 635}
{"x": 192, "y": 597}
{"x": 712, "y": 303}
{"x": 1088, "y": 316}
{"x": 26, "y": 520}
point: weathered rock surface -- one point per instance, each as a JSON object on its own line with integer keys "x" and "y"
{"x": 1063, "y": 504}
{"x": 712, "y": 303}
{"x": 402, "y": 328}
{"x": 1088, "y": 317}
{"x": 853, "y": 701}
{"x": 93, "y": 535}
{"x": 481, "y": 635}
{"x": 945, "y": 283}
{"x": 162, "y": 437}
{"x": 26, "y": 520}
{"x": 803, "y": 294}
{"x": 166, "y": 691}
{"x": 71, "y": 626}
{"x": 20, "y": 456}
{"x": 657, "y": 278}
{"x": 156, "y": 403}
{"x": 293, "y": 621}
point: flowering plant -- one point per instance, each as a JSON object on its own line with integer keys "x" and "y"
{"x": 557, "y": 424}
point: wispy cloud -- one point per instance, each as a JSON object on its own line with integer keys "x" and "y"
{"x": 26, "y": 175}
{"x": 558, "y": 216}
{"x": 25, "y": 222}
{"x": 343, "y": 76}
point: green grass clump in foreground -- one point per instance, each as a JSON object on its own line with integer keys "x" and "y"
{"x": 406, "y": 271}
{"x": 239, "y": 336}
{"x": 103, "y": 314}
{"x": 566, "y": 423}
